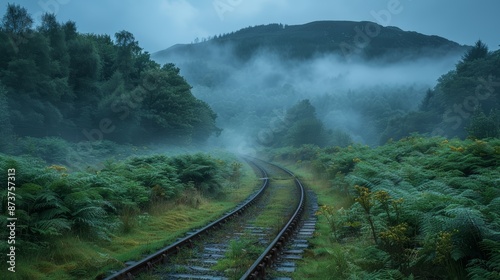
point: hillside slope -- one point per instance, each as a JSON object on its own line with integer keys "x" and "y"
{"x": 347, "y": 38}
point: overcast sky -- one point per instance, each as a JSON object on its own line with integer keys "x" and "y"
{"x": 159, "y": 24}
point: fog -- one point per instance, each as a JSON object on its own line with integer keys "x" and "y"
{"x": 351, "y": 95}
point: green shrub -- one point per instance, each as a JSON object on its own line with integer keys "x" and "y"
{"x": 431, "y": 203}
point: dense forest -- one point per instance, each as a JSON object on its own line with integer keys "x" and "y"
{"x": 305, "y": 41}
{"x": 367, "y": 98}
{"x": 465, "y": 102}
{"x": 56, "y": 82}
{"x": 79, "y": 113}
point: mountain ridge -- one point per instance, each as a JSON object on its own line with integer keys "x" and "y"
{"x": 364, "y": 39}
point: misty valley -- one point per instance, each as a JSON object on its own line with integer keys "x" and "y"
{"x": 109, "y": 153}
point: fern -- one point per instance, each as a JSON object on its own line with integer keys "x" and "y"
{"x": 446, "y": 188}
{"x": 55, "y": 226}
{"x": 411, "y": 173}
{"x": 87, "y": 212}
{"x": 91, "y": 216}
{"x": 471, "y": 195}
{"x": 493, "y": 249}
{"x": 360, "y": 181}
{"x": 470, "y": 225}
{"x": 494, "y": 205}
{"x": 479, "y": 269}
{"x": 438, "y": 187}
{"x": 386, "y": 274}
{"x": 431, "y": 224}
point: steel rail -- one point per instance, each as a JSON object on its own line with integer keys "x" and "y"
{"x": 148, "y": 263}
{"x": 266, "y": 259}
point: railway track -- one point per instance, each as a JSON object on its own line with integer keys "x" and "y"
{"x": 243, "y": 244}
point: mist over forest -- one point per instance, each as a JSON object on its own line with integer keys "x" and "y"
{"x": 346, "y": 95}
{"x": 252, "y": 76}
{"x": 106, "y": 146}
{"x": 359, "y": 79}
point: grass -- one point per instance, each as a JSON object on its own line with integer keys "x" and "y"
{"x": 239, "y": 257}
{"x": 162, "y": 230}
{"x": 280, "y": 197}
{"x": 71, "y": 257}
{"x": 325, "y": 258}
{"x": 243, "y": 252}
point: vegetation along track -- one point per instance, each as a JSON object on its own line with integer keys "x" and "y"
{"x": 242, "y": 244}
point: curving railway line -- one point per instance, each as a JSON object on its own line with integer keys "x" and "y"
{"x": 195, "y": 255}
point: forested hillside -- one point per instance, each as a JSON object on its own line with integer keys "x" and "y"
{"x": 363, "y": 79}
{"x": 465, "y": 102}
{"x": 55, "y": 81}
{"x": 366, "y": 40}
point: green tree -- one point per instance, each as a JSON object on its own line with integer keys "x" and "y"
{"x": 58, "y": 80}
{"x": 480, "y": 50}
{"x": 427, "y": 101}
{"x": 16, "y": 20}
{"x": 5, "y": 124}
{"x": 108, "y": 54}
{"x": 128, "y": 50}
{"x": 483, "y": 126}
{"x": 58, "y": 48}
{"x": 85, "y": 66}
{"x": 306, "y": 131}
{"x": 448, "y": 109}
{"x": 21, "y": 70}
{"x": 70, "y": 32}
{"x": 7, "y": 52}
{"x": 169, "y": 110}
{"x": 302, "y": 110}
{"x": 303, "y": 126}
{"x": 204, "y": 124}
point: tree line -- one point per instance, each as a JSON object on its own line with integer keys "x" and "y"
{"x": 55, "y": 81}
{"x": 464, "y": 103}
